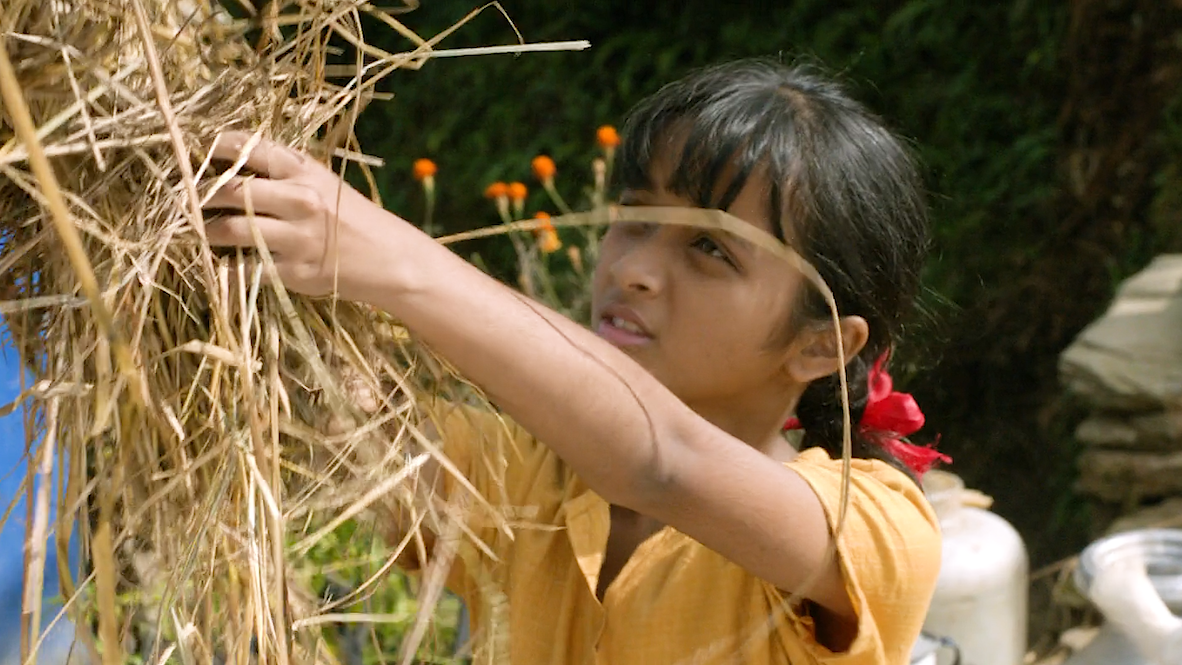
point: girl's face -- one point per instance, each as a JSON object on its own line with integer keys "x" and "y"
{"x": 697, "y": 308}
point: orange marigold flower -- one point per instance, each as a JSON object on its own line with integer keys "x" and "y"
{"x": 549, "y": 242}
{"x": 518, "y": 191}
{"x": 544, "y": 168}
{"x": 424, "y": 168}
{"x": 607, "y": 137}
{"x": 496, "y": 190}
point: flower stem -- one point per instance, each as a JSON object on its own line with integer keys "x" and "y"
{"x": 548, "y": 185}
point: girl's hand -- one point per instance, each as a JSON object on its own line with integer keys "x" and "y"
{"x": 324, "y": 235}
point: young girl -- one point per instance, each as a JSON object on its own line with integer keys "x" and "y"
{"x": 664, "y": 518}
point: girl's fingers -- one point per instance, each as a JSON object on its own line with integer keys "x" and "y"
{"x": 267, "y": 158}
{"x": 275, "y": 198}
{"x": 236, "y": 231}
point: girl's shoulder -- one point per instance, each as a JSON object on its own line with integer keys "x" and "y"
{"x": 870, "y": 480}
{"x": 820, "y": 459}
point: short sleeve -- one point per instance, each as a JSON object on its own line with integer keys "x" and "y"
{"x": 889, "y": 552}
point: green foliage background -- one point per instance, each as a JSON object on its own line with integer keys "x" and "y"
{"x": 1003, "y": 101}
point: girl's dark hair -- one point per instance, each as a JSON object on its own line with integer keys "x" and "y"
{"x": 844, "y": 192}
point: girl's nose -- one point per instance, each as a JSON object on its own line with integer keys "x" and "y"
{"x": 640, "y": 269}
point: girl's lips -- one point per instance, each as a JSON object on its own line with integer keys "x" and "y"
{"x": 619, "y": 336}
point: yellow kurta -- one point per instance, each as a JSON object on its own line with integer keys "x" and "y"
{"x": 676, "y": 601}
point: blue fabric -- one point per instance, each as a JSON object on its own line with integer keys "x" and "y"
{"x": 13, "y": 470}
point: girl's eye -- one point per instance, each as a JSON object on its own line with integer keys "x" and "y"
{"x": 707, "y": 246}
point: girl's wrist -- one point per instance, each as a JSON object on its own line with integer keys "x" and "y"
{"x": 392, "y": 261}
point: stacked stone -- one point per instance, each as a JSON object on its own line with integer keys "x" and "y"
{"x": 1127, "y": 368}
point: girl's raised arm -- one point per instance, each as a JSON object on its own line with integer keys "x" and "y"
{"x": 625, "y": 434}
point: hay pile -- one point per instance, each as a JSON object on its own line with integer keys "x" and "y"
{"x": 196, "y": 419}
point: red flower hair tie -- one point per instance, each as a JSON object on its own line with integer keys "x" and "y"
{"x": 888, "y": 418}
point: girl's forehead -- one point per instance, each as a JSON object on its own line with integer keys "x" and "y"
{"x": 704, "y": 176}
{"x": 752, "y": 205}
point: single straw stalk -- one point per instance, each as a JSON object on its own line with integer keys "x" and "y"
{"x": 35, "y": 542}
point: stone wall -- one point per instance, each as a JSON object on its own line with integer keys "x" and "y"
{"x": 1127, "y": 368}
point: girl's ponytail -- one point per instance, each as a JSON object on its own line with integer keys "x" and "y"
{"x": 819, "y": 413}
{"x": 880, "y": 417}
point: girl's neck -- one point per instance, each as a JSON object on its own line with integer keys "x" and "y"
{"x": 758, "y": 425}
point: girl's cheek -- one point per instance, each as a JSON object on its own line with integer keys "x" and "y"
{"x": 601, "y": 273}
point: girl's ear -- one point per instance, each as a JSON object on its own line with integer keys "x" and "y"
{"x": 813, "y": 354}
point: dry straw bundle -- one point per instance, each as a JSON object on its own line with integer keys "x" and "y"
{"x": 197, "y": 420}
